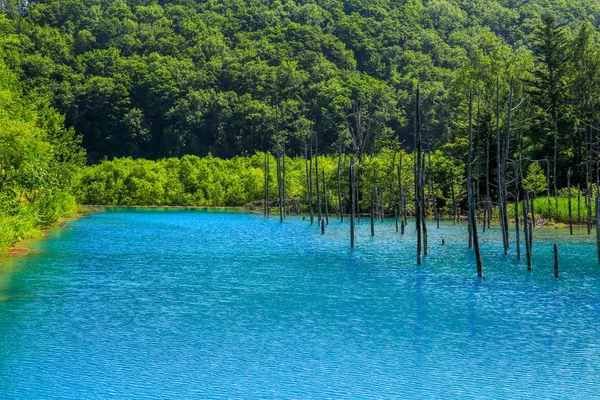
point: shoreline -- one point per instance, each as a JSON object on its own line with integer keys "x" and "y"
{"x": 21, "y": 248}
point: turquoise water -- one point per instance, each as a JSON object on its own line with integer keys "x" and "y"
{"x": 191, "y": 304}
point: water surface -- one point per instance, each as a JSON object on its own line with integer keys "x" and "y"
{"x": 194, "y": 304}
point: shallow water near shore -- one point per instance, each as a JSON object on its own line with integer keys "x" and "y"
{"x": 142, "y": 303}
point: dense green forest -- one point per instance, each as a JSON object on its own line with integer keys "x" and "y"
{"x": 229, "y": 80}
{"x": 39, "y": 159}
{"x": 155, "y": 79}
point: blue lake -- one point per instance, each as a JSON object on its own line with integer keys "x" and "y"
{"x": 171, "y": 304}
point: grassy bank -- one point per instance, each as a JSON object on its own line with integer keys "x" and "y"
{"x": 29, "y": 221}
{"x": 558, "y": 214}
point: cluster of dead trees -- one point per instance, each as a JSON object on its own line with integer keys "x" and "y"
{"x": 480, "y": 204}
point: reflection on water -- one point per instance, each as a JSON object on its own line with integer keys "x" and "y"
{"x": 194, "y": 304}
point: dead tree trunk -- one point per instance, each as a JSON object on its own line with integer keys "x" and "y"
{"x": 469, "y": 166}
{"x": 310, "y": 186}
{"x": 453, "y": 195}
{"x": 589, "y": 192}
{"x": 351, "y": 186}
{"x": 569, "y": 200}
{"x": 578, "y": 204}
{"x": 598, "y": 226}
{"x": 473, "y": 223}
{"x": 373, "y": 212}
{"x": 556, "y": 272}
{"x": 526, "y": 233}
{"x": 505, "y": 161}
{"x": 266, "y": 186}
{"x": 401, "y": 195}
{"x": 517, "y": 232}
{"x": 339, "y": 176}
{"x": 375, "y": 194}
{"x": 325, "y": 199}
{"x": 283, "y": 194}
{"x": 555, "y": 159}
{"x": 418, "y": 212}
{"x": 278, "y": 154}
{"x": 319, "y": 208}
{"x": 499, "y": 173}
{"x": 432, "y": 189}
{"x": 548, "y": 189}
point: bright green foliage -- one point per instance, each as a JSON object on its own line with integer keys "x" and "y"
{"x": 535, "y": 181}
{"x": 38, "y": 160}
{"x": 239, "y": 182}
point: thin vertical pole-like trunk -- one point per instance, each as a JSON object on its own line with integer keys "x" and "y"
{"x": 266, "y": 185}
{"x": 578, "y": 204}
{"x": 556, "y": 271}
{"x": 517, "y": 231}
{"x": 453, "y": 195}
{"x": 319, "y": 208}
{"x": 569, "y": 200}
{"x": 310, "y": 186}
{"x": 401, "y": 194}
{"x": 278, "y": 153}
{"x": 555, "y": 160}
{"x": 373, "y": 212}
{"x": 432, "y": 189}
{"x": 382, "y": 202}
{"x": 500, "y": 172}
{"x": 396, "y": 217}
{"x": 339, "y": 177}
{"x": 488, "y": 197}
{"x": 598, "y": 226}
{"x": 548, "y": 189}
{"x": 526, "y": 232}
{"x": 418, "y": 212}
{"x": 325, "y": 198}
{"x": 473, "y": 223}
{"x": 351, "y": 186}
{"x": 505, "y": 160}
{"x": 375, "y": 194}
{"x": 478, "y": 163}
{"x": 589, "y": 192}
{"x": 469, "y": 166}
{"x": 283, "y": 194}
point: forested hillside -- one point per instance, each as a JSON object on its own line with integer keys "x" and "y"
{"x": 153, "y": 79}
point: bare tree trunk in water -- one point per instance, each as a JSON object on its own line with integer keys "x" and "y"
{"x": 278, "y": 153}
{"x": 325, "y": 197}
{"x": 569, "y": 199}
{"x": 417, "y": 160}
{"x": 339, "y": 176}
{"x": 283, "y": 194}
{"x": 266, "y": 184}
{"x": 505, "y": 159}
{"x": 548, "y": 189}
{"x": 351, "y": 186}
{"x": 453, "y": 195}
{"x": 598, "y": 226}
{"x": 319, "y": 208}
{"x": 555, "y": 160}
{"x": 469, "y": 166}
{"x": 310, "y": 186}
{"x": 517, "y": 233}
{"x": 500, "y": 173}
{"x": 473, "y": 223}
{"x": 526, "y": 232}
{"x": 401, "y": 195}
